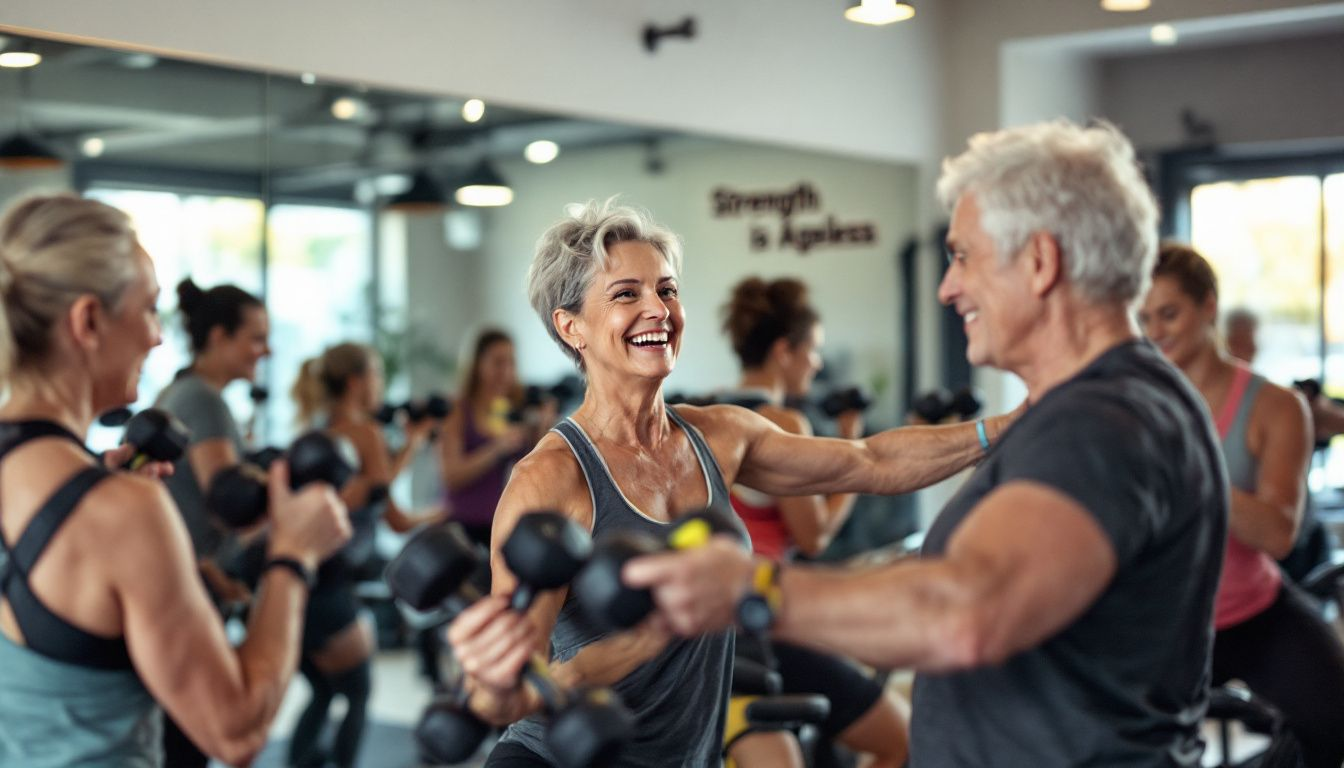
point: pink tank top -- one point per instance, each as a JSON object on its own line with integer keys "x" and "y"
{"x": 1251, "y": 579}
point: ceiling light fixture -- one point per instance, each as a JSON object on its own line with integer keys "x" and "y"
{"x": 423, "y": 196}
{"x": 20, "y": 59}
{"x": 139, "y": 60}
{"x": 879, "y": 12}
{"x": 349, "y": 108}
{"x": 484, "y": 188}
{"x": 1163, "y": 34}
{"x": 92, "y": 146}
{"x": 21, "y": 152}
{"x": 308, "y": 78}
{"x": 1125, "y": 6}
{"x": 541, "y": 151}
{"x": 473, "y": 110}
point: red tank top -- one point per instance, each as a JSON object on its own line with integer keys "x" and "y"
{"x": 765, "y": 523}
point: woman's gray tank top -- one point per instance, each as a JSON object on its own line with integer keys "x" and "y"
{"x": 679, "y": 697}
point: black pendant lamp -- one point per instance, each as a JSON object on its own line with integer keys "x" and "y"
{"x": 484, "y": 187}
{"x": 423, "y": 196}
{"x": 21, "y": 152}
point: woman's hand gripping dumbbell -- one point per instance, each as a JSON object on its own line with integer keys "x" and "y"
{"x": 238, "y": 495}
{"x": 544, "y": 551}
{"x": 153, "y": 442}
{"x": 614, "y": 605}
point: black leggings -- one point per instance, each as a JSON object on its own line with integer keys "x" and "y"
{"x": 354, "y": 685}
{"x": 1290, "y": 657}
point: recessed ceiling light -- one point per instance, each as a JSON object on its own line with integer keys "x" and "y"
{"x": 308, "y": 78}
{"x": 348, "y": 108}
{"x": 879, "y": 12}
{"x": 1163, "y": 34}
{"x": 541, "y": 152}
{"x": 92, "y": 146}
{"x": 139, "y": 60}
{"x": 473, "y": 110}
{"x": 1125, "y": 6}
{"x": 20, "y": 59}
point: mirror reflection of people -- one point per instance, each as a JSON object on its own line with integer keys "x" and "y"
{"x": 227, "y": 330}
{"x": 480, "y": 441}
{"x": 103, "y": 615}
{"x": 777, "y": 335}
{"x": 1269, "y": 635}
{"x": 339, "y": 390}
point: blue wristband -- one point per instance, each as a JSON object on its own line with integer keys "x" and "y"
{"x": 980, "y": 433}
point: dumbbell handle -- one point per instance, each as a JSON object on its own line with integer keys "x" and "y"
{"x": 537, "y": 672}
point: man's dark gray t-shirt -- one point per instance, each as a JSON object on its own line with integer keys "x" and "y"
{"x": 207, "y": 417}
{"x": 1126, "y": 683}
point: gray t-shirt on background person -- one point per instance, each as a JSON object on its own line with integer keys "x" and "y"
{"x": 1126, "y": 684}
{"x": 207, "y": 417}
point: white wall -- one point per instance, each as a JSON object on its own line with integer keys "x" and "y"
{"x": 16, "y": 184}
{"x": 971, "y": 49}
{"x": 855, "y": 287}
{"x": 791, "y": 72}
{"x": 1262, "y": 92}
{"x": 1038, "y": 83}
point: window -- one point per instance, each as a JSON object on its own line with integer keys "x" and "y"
{"x": 319, "y": 293}
{"x": 214, "y": 239}
{"x": 1263, "y": 239}
{"x": 1274, "y": 231}
{"x": 315, "y": 274}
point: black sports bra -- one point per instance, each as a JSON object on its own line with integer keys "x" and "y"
{"x": 43, "y": 631}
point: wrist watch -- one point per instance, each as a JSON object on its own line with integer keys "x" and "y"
{"x": 757, "y": 610}
{"x": 290, "y": 564}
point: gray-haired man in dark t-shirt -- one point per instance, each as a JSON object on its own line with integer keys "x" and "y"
{"x": 1062, "y": 612}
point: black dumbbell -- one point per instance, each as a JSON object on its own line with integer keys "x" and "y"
{"x": 844, "y": 400}
{"x": 386, "y": 413}
{"x": 696, "y": 400}
{"x": 117, "y": 417}
{"x": 932, "y": 406}
{"x": 588, "y": 727}
{"x": 156, "y": 435}
{"x": 937, "y": 405}
{"x": 434, "y": 406}
{"x": 749, "y": 400}
{"x": 965, "y": 403}
{"x": 238, "y": 495}
{"x": 263, "y": 458}
{"x": 608, "y": 601}
{"x": 567, "y": 388}
{"x": 1310, "y": 388}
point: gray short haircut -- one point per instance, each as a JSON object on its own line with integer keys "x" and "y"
{"x": 1083, "y": 185}
{"x": 573, "y": 250}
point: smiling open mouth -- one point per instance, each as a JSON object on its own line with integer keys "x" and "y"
{"x": 652, "y": 339}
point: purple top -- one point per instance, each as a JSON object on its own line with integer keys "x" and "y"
{"x": 474, "y": 504}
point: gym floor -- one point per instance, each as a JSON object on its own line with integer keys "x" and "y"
{"x": 399, "y": 694}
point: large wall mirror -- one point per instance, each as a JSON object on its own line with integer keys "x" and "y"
{"x": 350, "y": 209}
